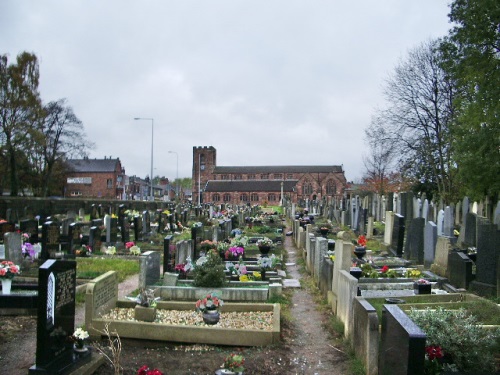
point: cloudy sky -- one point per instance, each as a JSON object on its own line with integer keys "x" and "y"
{"x": 275, "y": 82}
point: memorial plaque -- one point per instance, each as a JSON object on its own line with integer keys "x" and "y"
{"x": 56, "y": 317}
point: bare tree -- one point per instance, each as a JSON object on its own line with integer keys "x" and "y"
{"x": 416, "y": 122}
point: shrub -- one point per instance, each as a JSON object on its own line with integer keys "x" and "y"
{"x": 469, "y": 346}
{"x": 209, "y": 272}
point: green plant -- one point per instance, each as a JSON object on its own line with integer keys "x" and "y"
{"x": 234, "y": 362}
{"x": 469, "y": 346}
{"x": 209, "y": 272}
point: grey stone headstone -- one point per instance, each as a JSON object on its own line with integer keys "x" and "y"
{"x": 81, "y": 213}
{"x": 465, "y": 208}
{"x": 13, "y": 250}
{"x": 417, "y": 207}
{"x": 2, "y": 251}
{"x": 425, "y": 210}
{"x": 496, "y": 214}
{"x": 149, "y": 268}
{"x": 430, "y": 240}
{"x": 440, "y": 223}
{"x": 474, "y": 208}
{"x": 448, "y": 222}
{"x": 458, "y": 214}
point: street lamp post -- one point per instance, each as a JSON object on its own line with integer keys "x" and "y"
{"x": 176, "y": 174}
{"x": 151, "y": 176}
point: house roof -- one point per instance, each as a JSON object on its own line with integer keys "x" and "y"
{"x": 92, "y": 165}
{"x": 280, "y": 169}
{"x": 250, "y": 186}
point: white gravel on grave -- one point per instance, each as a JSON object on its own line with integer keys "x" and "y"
{"x": 257, "y": 320}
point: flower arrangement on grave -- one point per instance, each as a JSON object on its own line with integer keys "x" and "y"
{"x": 208, "y": 245}
{"x": 183, "y": 268}
{"x": 362, "y": 241}
{"x": 422, "y": 282}
{"x": 135, "y": 250}
{"x": 209, "y": 271}
{"x": 110, "y": 250}
{"x": 144, "y": 370}
{"x": 129, "y": 244}
{"x": 234, "y": 362}
{"x": 28, "y": 250}
{"x": 268, "y": 263}
{"x": 266, "y": 241}
{"x": 146, "y": 298}
{"x": 8, "y": 270}
{"x": 235, "y": 252}
{"x": 237, "y": 269}
{"x": 210, "y": 302}
{"x": 239, "y": 241}
{"x": 83, "y": 251}
{"x": 79, "y": 337}
{"x": 222, "y": 247}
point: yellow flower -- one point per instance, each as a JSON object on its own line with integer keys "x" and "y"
{"x": 257, "y": 275}
{"x": 243, "y": 278}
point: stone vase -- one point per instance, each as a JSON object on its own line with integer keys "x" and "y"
{"x": 211, "y": 317}
{"x": 360, "y": 251}
{"x": 145, "y": 314}
{"x": 264, "y": 250}
{"x": 6, "y": 286}
{"x": 422, "y": 288}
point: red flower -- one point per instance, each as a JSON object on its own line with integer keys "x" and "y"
{"x": 143, "y": 370}
{"x": 362, "y": 240}
{"x": 384, "y": 269}
{"x": 434, "y": 352}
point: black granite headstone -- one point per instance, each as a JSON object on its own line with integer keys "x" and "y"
{"x": 50, "y": 240}
{"x": 30, "y": 227}
{"x": 398, "y": 235}
{"x": 113, "y": 230}
{"x": 75, "y": 237}
{"x": 56, "y": 318}
{"x": 137, "y": 228}
{"x": 460, "y": 269}
{"x": 470, "y": 229}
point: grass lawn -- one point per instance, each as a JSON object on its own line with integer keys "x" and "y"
{"x": 90, "y": 268}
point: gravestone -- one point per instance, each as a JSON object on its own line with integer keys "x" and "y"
{"x": 398, "y": 235}
{"x": 440, "y": 223}
{"x": 443, "y": 249}
{"x": 95, "y": 242}
{"x": 149, "y": 273}
{"x": 74, "y": 236}
{"x": 112, "y": 231}
{"x": 448, "y": 222}
{"x": 124, "y": 229}
{"x": 30, "y": 227}
{"x": 488, "y": 240}
{"x": 168, "y": 250}
{"x": 470, "y": 229}
{"x": 425, "y": 210}
{"x": 137, "y": 229}
{"x": 389, "y": 225}
{"x": 56, "y": 319}
{"x": 182, "y": 252}
{"x": 496, "y": 215}
{"x": 13, "y": 250}
{"x": 430, "y": 240}
{"x": 81, "y": 214}
{"x": 414, "y": 246}
{"x": 460, "y": 269}
{"x": 101, "y": 296}
{"x": 2, "y": 251}
{"x": 402, "y": 344}
{"x": 94, "y": 214}
{"x": 50, "y": 240}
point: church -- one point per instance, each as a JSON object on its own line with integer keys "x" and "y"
{"x": 262, "y": 185}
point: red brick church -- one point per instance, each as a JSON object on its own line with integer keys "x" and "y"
{"x": 262, "y": 184}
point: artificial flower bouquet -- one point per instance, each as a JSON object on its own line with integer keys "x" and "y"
{"x": 362, "y": 241}
{"x": 265, "y": 242}
{"x": 8, "y": 270}
{"x": 210, "y": 302}
{"x": 235, "y": 252}
{"x": 79, "y": 337}
{"x": 234, "y": 362}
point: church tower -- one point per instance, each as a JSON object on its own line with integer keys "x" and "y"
{"x": 204, "y": 163}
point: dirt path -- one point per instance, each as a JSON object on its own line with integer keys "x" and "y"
{"x": 311, "y": 346}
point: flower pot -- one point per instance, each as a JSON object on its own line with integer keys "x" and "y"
{"x": 211, "y": 317}
{"x": 422, "y": 288}
{"x": 225, "y": 371}
{"x": 80, "y": 349}
{"x": 145, "y": 314}
{"x": 264, "y": 250}
{"x": 360, "y": 251}
{"x": 323, "y": 231}
{"x": 6, "y": 286}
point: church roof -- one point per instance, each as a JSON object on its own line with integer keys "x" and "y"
{"x": 280, "y": 169}
{"x": 92, "y": 165}
{"x": 250, "y": 186}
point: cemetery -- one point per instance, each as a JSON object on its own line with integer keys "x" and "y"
{"x": 377, "y": 261}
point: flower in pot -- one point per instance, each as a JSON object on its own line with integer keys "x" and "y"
{"x": 135, "y": 250}
{"x": 360, "y": 249}
{"x": 422, "y": 286}
{"x": 233, "y": 364}
{"x": 207, "y": 245}
{"x": 183, "y": 268}
{"x": 267, "y": 263}
{"x": 235, "y": 252}
{"x": 7, "y": 272}
{"x": 209, "y": 307}
{"x": 79, "y": 337}
{"x": 265, "y": 244}
{"x": 110, "y": 250}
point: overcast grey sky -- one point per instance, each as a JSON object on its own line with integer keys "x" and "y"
{"x": 281, "y": 82}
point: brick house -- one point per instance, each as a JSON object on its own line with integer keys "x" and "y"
{"x": 94, "y": 178}
{"x": 262, "y": 184}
